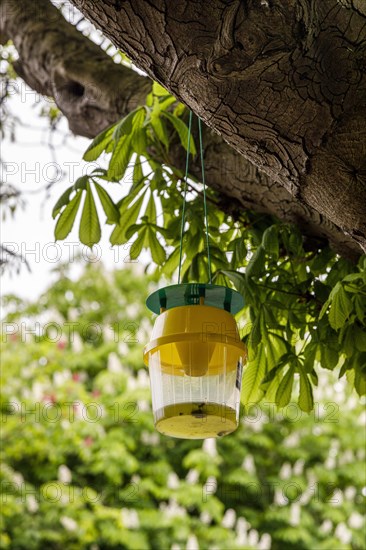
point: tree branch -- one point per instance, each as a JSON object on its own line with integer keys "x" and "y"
{"x": 92, "y": 91}
{"x": 284, "y": 83}
{"x": 56, "y": 60}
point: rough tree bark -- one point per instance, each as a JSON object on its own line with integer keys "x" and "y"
{"x": 56, "y": 60}
{"x": 283, "y": 82}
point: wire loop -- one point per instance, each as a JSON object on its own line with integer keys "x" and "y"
{"x": 185, "y": 198}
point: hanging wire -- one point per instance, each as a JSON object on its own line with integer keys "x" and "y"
{"x": 205, "y": 201}
{"x": 185, "y": 196}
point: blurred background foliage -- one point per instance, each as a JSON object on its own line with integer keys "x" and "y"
{"x": 83, "y": 467}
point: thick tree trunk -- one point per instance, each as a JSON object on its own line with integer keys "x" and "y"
{"x": 92, "y": 91}
{"x": 283, "y": 81}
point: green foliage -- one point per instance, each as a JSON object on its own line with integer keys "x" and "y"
{"x": 304, "y": 309}
{"x": 89, "y": 232}
{"x": 67, "y": 217}
{"x": 83, "y": 467}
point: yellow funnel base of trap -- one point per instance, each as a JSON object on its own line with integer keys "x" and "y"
{"x": 196, "y": 420}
